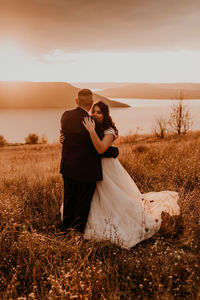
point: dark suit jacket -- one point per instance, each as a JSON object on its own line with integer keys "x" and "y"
{"x": 80, "y": 160}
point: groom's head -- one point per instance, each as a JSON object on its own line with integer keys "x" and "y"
{"x": 85, "y": 99}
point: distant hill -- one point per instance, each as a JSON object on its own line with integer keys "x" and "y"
{"x": 43, "y": 95}
{"x": 100, "y": 85}
{"x": 154, "y": 91}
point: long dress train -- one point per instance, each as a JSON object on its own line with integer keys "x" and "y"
{"x": 120, "y": 213}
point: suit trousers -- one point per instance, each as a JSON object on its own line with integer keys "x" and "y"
{"x": 77, "y": 200}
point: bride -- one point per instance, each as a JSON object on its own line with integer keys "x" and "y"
{"x": 119, "y": 212}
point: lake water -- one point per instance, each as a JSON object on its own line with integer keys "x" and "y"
{"x": 16, "y": 124}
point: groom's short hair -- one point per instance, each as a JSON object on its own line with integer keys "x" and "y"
{"x": 85, "y": 97}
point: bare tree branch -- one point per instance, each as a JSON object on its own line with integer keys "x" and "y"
{"x": 180, "y": 118}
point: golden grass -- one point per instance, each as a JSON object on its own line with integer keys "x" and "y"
{"x": 38, "y": 261}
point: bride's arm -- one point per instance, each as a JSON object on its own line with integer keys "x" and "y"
{"x": 100, "y": 145}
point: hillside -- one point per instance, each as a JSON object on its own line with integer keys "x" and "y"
{"x": 42, "y": 95}
{"x": 154, "y": 91}
{"x": 40, "y": 261}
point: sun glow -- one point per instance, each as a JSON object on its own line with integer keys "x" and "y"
{"x": 12, "y": 61}
{"x": 58, "y": 65}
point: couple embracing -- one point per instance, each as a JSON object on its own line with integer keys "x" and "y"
{"x": 100, "y": 198}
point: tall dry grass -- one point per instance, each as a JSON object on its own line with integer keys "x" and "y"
{"x": 38, "y": 261}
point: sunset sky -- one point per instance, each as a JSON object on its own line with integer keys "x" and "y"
{"x": 105, "y": 40}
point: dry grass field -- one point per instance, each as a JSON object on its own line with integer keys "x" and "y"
{"x": 38, "y": 261}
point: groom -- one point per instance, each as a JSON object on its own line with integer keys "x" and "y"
{"x": 80, "y": 163}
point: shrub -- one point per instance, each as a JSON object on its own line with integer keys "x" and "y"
{"x": 2, "y": 141}
{"x": 160, "y": 127}
{"x": 43, "y": 139}
{"x": 32, "y": 138}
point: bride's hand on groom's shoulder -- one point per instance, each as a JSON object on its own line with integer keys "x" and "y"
{"x": 62, "y": 138}
{"x": 89, "y": 124}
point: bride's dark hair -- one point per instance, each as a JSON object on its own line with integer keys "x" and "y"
{"x": 107, "y": 120}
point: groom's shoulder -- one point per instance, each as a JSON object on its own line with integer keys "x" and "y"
{"x": 68, "y": 112}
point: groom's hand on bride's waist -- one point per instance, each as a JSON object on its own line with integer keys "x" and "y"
{"x": 111, "y": 152}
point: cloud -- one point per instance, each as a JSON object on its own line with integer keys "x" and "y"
{"x": 107, "y": 25}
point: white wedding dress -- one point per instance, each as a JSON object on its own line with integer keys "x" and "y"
{"x": 120, "y": 213}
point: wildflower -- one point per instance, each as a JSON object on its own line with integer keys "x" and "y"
{"x": 31, "y": 296}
